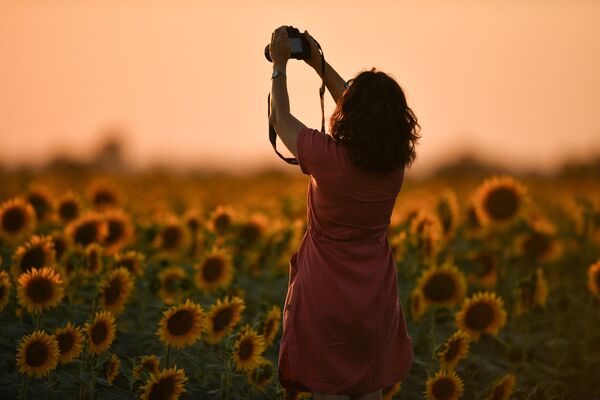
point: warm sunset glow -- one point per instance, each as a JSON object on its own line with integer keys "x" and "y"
{"x": 513, "y": 82}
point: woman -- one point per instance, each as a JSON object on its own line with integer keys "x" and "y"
{"x": 344, "y": 332}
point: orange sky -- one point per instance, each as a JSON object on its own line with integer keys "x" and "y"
{"x": 514, "y": 81}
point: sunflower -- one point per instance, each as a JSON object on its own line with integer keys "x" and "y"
{"x": 221, "y": 219}
{"x": 455, "y": 348}
{"x": 594, "y": 278}
{"x": 293, "y": 394}
{"x": 389, "y": 392}
{"x": 40, "y": 289}
{"x": 499, "y": 200}
{"x": 17, "y": 219}
{"x": 252, "y": 230}
{"x": 42, "y": 201}
{"x": 532, "y": 292}
{"x": 271, "y": 325}
{"x": 69, "y": 340}
{"x": 172, "y": 284}
{"x": 167, "y": 384}
{"x": 172, "y": 237}
{"x": 87, "y": 229}
{"x": 472, "y": 221}
{"x": 443, "y": 286}
{"x": 426, "y": 231}
{"x": 102, "y": 194}
{"x": 93, "y": 259}
{"x": 447, "y": 211}
{"x": 482, "y": 312}
{"x": 149, "y": 364}
{"x": 60, "y": 243}
{"x": 486, "y": 271}
{"x": 5, "y": 285}
{"x": 248, "y": 349}
{"x": 182, "y": 325}
{"x": 37, "y": 354}
{"x": 260, "y": 377}
{"x": 68, "y": 207}
{"x": 111, "y": 368}
{"x": 540, "y": 243}
{"x": 115, "y": 290}
{"x": 120, "y": 230}
{"x": 214, "y": 271}
{"x": 132, "y": 260}
{"x": 418, "y": 306}
{"x": 223, "y": 316}
{"x": 38, "y": 252}
{"x": 445, "y": 385}
{"x": 101, "y": 332}
{"x": 192, "y": 219}
{"x": 503, "y": 389}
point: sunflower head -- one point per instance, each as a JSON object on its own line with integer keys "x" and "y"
{"x": 192, "y": 219}
{"x": 532, "y": 292}
{"x": 172, "y": 237}
{"x": 481, "y": 313}
{"x": 42, "y": 201}
{"x": 93, "y": 260}
{"x": 173, "y": 282}
{"x": 182, "y": 325}
{"x": 214, "y": 271}
{"x": 38, "y": 252}
{"x": 37, "y": 354}
{"x": 248, "y": 349}
{"x": 148, "y": 364}
{"x": 69, "y": 340}
{"x": 500, "y": 200}
{"x": 60, "y": 243}
{"x": 426, "y": 232}
{"x": 17, "y": 219}
{"x": 455, "y": 348}
{"x": 111, "y": 368}
{"x": 87, "y": 229}
{"x": 418, "y": 306}
{"x": 447, "y": 211}
{"x": 503, "y": 388}
{"x": 132, "y": 260}
{"x": 252, "y": 230}
{"x": 444, "y": 385}
{"x": 271, "y": 325}
{"x": 539, "y": 243}
{"x": 120, "y": 230}
{"x": 115, "y": 290}
{"x": 260, "y": 377}
{"x": 443, "y": 286}
{"x": 166, "y": 384}
{"x": 486, "y": 272}
{"x": 594, "y": 278}
{"x": 101, "y": 332}
{"x": 102, "y": 194}
{"x": 222, "y": 219}
{"x": 68, "y": 207}
{"x": 5, "y": 286}
{"x": 40, "y": 289}
{"x": 223, "y": 316}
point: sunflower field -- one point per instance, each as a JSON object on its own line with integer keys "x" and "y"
{"x": 159, "y": 285}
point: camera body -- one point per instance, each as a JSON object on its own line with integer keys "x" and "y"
{"x": 299, "y": 43}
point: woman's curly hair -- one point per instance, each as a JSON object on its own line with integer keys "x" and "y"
{"x": 375, "y": 124}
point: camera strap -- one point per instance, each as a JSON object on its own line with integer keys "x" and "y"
{"x": 273, "y": 133}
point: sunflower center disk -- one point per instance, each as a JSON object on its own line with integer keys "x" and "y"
{"x": 246, "y": 349}
{"x": 502, "y": 203}
{"x": 212, "y": 270}
{"x": 36, "y": 354}
{"x": 163, "y": 389}
{"x": 65, "y": 342}
{"x": 452, "y": 351}
{"x": 99, "y": 333}
{"x": 537, "y": 244}
{"x": 115, "y": 231}
{"x": 440, "y": 288}
{"x": 13, "y": 220}
{"x": 443, "y": 389}
{"x": 479, "y": 316}
{"x": 223, "y": 319}
{"x": 33, "y": 258}
{"x": 68, "y": 210}
{"x": 86, "y": 234}
{"x": 39, "y": 290}
{"x": 180, "y": 323}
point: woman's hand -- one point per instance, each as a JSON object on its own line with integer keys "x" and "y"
{"x": 280, "y": 48}
{"x": 315, "y": 57}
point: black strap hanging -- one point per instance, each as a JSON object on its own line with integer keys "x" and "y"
{"x": 273, "y": 133}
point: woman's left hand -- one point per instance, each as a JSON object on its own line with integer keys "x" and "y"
{"x": 280, "y": 47}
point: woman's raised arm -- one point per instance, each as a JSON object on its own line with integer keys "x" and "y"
{"x": 334, "y": 82}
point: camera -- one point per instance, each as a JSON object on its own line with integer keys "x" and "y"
{"x": 299, "y": 43}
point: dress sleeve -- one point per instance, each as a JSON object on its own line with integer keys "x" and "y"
{"x": 316, "y": 150}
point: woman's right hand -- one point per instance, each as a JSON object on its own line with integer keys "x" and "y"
{"x": 315, "y": 57}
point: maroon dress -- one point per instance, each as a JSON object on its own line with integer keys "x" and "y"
{"x": 344, "y": 330}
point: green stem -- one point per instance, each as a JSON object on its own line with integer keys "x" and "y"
{"x": 22, "y": 393}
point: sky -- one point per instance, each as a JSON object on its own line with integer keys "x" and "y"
{"x": 514, "y": 82}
